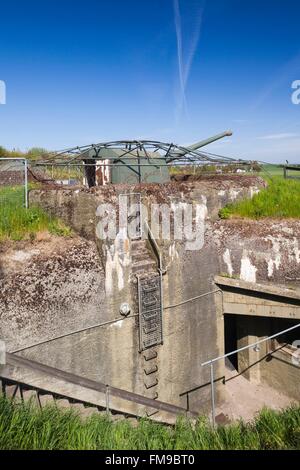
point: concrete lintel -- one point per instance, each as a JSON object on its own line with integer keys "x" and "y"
{"x": 257, "y": 310}
{"x": 274, "y": 290}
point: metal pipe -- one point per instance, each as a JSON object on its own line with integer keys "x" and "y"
{"x": 250, "y": 345}
{"x": 202, "y": 143}
{"x": 26, "y": 183}
{"x": 213, "y": 411}
{"x": 99, "y": 325}
{"x": 107, "y": 399}
{"x": 212, "y": 361}
{"x": 11, "y": 158}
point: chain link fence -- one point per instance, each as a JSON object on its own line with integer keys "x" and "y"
{"x": 59, "y": 174}
{"x": 13, "y": 183}
{"x": 13, "y": 192}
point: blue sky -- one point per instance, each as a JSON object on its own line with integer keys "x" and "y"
{"x": 78, "y": 72}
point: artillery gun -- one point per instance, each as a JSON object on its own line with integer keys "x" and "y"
{"x": 135, "y": 161}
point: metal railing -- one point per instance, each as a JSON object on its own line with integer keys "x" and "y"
{"x": 107, "y": 390}
{"x": 155, "y": 247}
{"x": 291, "y": 168}
{"x": 213, "y": 361}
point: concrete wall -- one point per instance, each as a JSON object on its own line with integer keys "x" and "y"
{"x": 263, "y": 250}
{"x": 91, "y": 280}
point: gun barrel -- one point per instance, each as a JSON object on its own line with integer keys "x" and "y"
{"x": 197, "y": 145}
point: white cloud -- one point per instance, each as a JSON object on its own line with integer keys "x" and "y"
{"x": 184, "y": 66}
{"x": 282, "y": 136}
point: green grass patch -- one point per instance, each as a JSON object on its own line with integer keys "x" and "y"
{"x": 23, "y": 426}
{"x": 18, "y": 223}
{"x": 281, "y": 199}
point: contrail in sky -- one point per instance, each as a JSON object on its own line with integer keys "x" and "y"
{"x": 184, "y": 68}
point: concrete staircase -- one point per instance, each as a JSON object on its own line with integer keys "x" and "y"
{"x": 143, "y": 266}
{"x": 20, "y": 394}
{"x": 142, "y": 261}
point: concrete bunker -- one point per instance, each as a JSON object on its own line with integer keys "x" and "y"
{"x": 81, "y": 329}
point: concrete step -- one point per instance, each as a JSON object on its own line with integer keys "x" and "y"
{"x": 152, "y": 394}
{"x": 140, "y": 256}
{"x": 150, "y": 382}
{"x": 138, "y": 245}
{"x": 80, "y": 408}
{"x": 30, "y": 396}
{"x": 143, "y": 266}
{"x": 133, "y": 421}
{"x": 62, "y": 402}
{"x": 151, "y": 412}
{"x": 84, "y": 411}
{"x": 45, "y": 400}
{"x": 12, "y": 391}
{"x": 150, "y": 354}
{"x": 151, "y": 370}
{"x": 117, "y": 417}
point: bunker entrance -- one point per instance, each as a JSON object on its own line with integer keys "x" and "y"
{"x": 231, "y": 340}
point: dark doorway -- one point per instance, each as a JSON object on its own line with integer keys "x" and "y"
{"x": 230, "y": 336}
{"x": 90, "y": 173}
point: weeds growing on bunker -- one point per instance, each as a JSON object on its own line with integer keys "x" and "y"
{"x": 281, "y": 199}
{"x": 18, "y": 223}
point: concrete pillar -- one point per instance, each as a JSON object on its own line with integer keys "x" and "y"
{"x": 250, "y": 330}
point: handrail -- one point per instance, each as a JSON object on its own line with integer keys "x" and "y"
{"x": 212, "y": 362}
{"x": 250, "y": 345}
{"x": 18, "y": 361}
{"x": 155, "y": 247}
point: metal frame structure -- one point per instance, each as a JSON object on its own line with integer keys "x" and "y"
{"x": 136, "y": 161}
{"x": 213, "y": 361}
{"x": 170, "y": 152}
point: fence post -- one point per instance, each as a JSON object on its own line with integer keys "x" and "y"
{"x": 107, "y": 399}
{"x": 26, "y": 183}
{"x": 213, "y": 411}
{"x": 2, "y": 353}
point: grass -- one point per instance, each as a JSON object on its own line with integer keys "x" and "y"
{"x": 23, "y": 426}
{"x": 281, "y": 199}
{"x": 18, "y": 223}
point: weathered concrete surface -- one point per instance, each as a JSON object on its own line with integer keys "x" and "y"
{"x": 259, "y": 300}
{"x": 187, "y": 334}
{"x": 49, "y": 288}
{"x": 259, "y": 251}
{"x": 193, "y": 332}
{"x": 244, "y": 399}
{"x": 77, "y": 206}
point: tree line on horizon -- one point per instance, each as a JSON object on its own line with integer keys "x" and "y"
{"x": 31, "y": 154}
